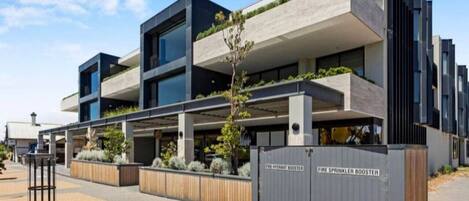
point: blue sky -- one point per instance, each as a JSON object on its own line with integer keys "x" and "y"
{"x": 42, "y": 43}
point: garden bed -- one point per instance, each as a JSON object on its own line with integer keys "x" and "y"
{"x": 106, "y": 173}
{"x": 194, "y": 186}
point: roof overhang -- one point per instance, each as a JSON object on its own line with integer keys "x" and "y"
{"x": 265, "y": 102}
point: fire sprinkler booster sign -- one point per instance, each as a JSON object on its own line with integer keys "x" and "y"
{"x": 349, "y": 171}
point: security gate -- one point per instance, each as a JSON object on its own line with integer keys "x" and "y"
{"x": 320, "y": 173}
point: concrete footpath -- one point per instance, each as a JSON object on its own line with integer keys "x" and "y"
{"x": 454, "y": 190}
{"x": 14, "y": 182}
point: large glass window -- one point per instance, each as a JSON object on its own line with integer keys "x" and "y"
{"x": 460, "y": 83}
{"x": 94, "y": 81}
{"x": 455, "y": 148}
{"x": 276, "y": 74}
{"x": 444, "y": 106}
{"x": 172, "y": 44}
{"x": 353, "y": 59}
{"x": 268, "y": 137}
{"x": 352, "y": 132}
{"x": 417, "y": 24}
{"x": 94, "y": 111}
{"x": 445, "y": 63}
{"x": 172, "y": 90}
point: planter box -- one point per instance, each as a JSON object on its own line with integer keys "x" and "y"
{"x": 106, "y": 173}
{"x": 184, "y": 185}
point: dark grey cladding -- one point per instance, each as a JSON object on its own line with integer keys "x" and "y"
{"x": 198, "y": 16}
{"x": 462, "y": 101}
{"x": 101, "y": 63}
{"x": 448, "y": 89}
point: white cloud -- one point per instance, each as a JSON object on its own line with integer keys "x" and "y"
{"x": 72, "y": 6}
{"x": 18, "y": 17}
{"x": 138, "y": 7}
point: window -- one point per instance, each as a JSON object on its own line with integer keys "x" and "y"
{"x": 172, "y": 44}
{"x": 445, "y": 63}
{"x": 94, "y": 81}
{"x": 94, "y": 111}
{"x": 455, "y": 148}
{"x": 276, "y": 74}
{"x": 417, "y": 87}
{"x": 89, "y": 81}
{"x": 460, "y": 83}
{"x": 353, "y": 59}
{"x": 351, "y": 132}
{"x": 467, "y": 150}
{"x": 417, "y": 24}
{"x": 172, "y": 90}
{"x": 444, "y": 106}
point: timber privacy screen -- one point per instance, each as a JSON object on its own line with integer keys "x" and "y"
{"x": 356, "y": 173}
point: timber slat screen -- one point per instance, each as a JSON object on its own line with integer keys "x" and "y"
{"x": 110, "y": 174}
{"x": 194, "y": 187}
{"x": 416, "y": 174}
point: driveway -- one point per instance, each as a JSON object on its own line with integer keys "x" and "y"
{"x": 454, "y": 190}
{"x": 14, "y": 181}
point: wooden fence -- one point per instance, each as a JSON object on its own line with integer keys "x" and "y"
{"x": 185, "y": 185}
{"x": 106, "y": 173}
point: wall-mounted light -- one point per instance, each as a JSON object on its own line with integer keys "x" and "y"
{"x": 180, "y": 134}
{"x": 295, "y": 126}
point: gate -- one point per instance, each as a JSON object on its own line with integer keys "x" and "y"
{"x": 320, "y": 173}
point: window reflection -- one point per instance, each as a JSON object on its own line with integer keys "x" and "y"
{"x": 350, "y": 132}
{"x": 94, "y": 111}
{"x": 172, "y": 44}
{"x": 353, "y": 59}
{"x": 172, "y": 90}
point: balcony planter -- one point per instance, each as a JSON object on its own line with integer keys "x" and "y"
{"x": 194, "y": 186}
{"x": 106, "y": 173}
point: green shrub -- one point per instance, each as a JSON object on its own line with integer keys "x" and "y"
{"x": 118, "y": 159}
{"x": 115, "y": 143}
{"x": 120, "y": 111}
{"x": 196, "y": 166}
{"x": 177, "y": 163}
{"x": 168, "y": 152}
{"x": 216, "y": 28}
{"x": 245, "y": 170}
{"x": 94, "y": 155}
{"x": 446, "y": 169}
{"x": 219, "y": 166}
{"x": 157, "y": 163}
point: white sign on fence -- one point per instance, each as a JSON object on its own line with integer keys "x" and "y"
{"x": 285, "y": 167}
{"x": 349, "y": 171}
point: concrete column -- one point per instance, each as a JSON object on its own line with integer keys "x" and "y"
{"x": 68, "y": 148}
{"x": 128, "y": 130}
{"x": 300, "y": 121}
{"x": 40, "y": 143}
{"x": 157, "y": 134}
{"x": 52, "y": 145}
{"x": 186, "y": 137}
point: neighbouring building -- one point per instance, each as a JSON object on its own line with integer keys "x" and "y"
{"x": 23, "y": 136}
{"x": 402, "y": 91}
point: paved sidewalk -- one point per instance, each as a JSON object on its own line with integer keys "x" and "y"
{"x": 455, "y": 190}
{"x": 14, "y": 181}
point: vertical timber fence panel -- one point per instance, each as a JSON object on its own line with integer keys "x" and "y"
{"x": 185, "y": 185}
{"x": 339, "y": 173}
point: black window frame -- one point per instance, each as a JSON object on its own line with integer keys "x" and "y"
{"x": 277, "y": 71}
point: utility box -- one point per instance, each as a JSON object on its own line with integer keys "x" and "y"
{"x": 339, "y": 173}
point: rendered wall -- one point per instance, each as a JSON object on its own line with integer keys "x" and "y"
{"x": 439, "y": 153}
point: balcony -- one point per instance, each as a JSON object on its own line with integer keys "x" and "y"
{"x": 69, "y": 103}
{"x": 122, "y": 86}
{"x": 299, "y": 29}
{"x": 361, "y": 98}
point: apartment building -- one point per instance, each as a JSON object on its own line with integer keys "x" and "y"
{"x": 403, "y": 79}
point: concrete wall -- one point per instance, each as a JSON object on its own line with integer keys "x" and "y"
{"x": 374, "y": 63}
{"x": 125, "y": 83}
{"x": 70, "y": 104}
{"x": 359, "y": 95}
{"x": 439, "y": 149}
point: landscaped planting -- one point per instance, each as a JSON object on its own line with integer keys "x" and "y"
{"x": 322, "y": 73}
{"x": 216, "y": 28}
{"x": 120, "y": 111}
